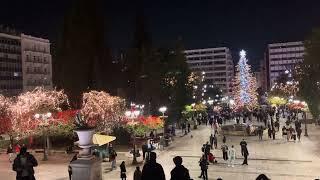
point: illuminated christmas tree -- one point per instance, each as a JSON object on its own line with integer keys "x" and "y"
{"x": 244, "y": 87}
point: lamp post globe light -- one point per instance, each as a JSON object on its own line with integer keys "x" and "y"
{"x": 44, "y": 117}
{"x": 163, "y": 109}
{"x": 133, "y": 114}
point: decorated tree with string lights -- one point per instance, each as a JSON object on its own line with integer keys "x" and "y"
{"x": 5, "y": 122}
{"x": 24, "y": 108}
{"x": 101, "y": 110}
{"x": 244, "y": 85}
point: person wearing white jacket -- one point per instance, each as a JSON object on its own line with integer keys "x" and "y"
{"x": 231, "y": 156}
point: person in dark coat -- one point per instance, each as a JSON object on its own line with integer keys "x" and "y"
{"x": 75, "y": 157}
{"x": 269, "y": 132}
{"x": 245, "y": 155}
{"x": 179, "y": 172}
{"x": 243, "y": 145}
{"x": 137, "y": 174}
{"x": 144, "y": 150}
{"x": 262, "y": 177}
{"x": 299, "y": 131}
{"x": 224, "y": 139}
{"x": 215, "y": 141}
{"x": 203, "y": 163}
{"x": 23, "y": 164}
{"x": 152, "y": 170}
{"x": 189, "y": 127}
{"x": 123, "y": 171}
{"x": 211, "y": 141}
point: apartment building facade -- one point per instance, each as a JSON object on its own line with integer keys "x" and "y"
{"x": 25, "y": 62}
{"x": 216, "y": 63}
{"x": 282, "y": 58}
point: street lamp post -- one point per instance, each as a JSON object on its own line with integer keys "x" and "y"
{"x": 45, "y": 124}
{"x": 163, "y": 109}
{"x": 305, "y": 124}
{"x": 133, "y": 114}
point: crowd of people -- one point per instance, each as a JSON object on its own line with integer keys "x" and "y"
{"x": 23, "y": 162}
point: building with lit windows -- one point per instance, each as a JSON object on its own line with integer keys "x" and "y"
{"x": 282, "y": 58}
{"x": 217, "y": 65}
{"x": 25, "y": 62}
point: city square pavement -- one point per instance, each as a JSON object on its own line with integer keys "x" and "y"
{"x": 278, "y": 159}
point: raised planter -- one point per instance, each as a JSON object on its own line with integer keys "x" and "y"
{"x": 85, "y": 141}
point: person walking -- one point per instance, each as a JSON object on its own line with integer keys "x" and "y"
{"x": 123, "y": 171}
{"x": 211, "y": 141}
{"x": 245, "y": 155}
{"x": 179, "y": 172}
{"x": 215, "y": 141}
{"x": 243, "y": 145}
{"x": 23, "y": 164}
{"x": 75, "y": 157}
{"x": 137, "y": 174}
{"x": 299, "y": 131}
{"x": 224, "y": 149}
{"x": 189, "y": 127}
{"x": 231, "y": 156}
{"x": 10, "y": 152}
{"x": 203, "y": 163}
{"x": 152, "y": 170}
{"x": 112, "y": 158}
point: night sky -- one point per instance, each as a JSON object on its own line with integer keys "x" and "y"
{"x": 238, "y": 24}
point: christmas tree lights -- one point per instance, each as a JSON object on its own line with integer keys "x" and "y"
{"x": 244, "y": 87}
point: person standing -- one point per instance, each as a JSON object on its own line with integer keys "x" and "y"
{"x": 137, "y": 174}
{"x": 211, "y": 141}
{"x": 299, "y": 131}
{"x": 203, "y": 163}
{"x": 260, "y": 132}
{"x": 269, "y": 132}
{"x": 284, "y": 132}
{"x": 10, "y": 152}
{"x": 23, "y": 164}
{"x": 144, "y": 148}
{"x": 215, "y": 141}
{"x": 152, "y": 170}
{"x": 179, "y": 172}
{"x": 243, "y": 145}
{"x": 224, "y": 149}
{"x": 113, "y": 156}
{"x": 189, "y": 127}
{"x": 231, "y": 156}
{"x": 224, "y": 139}
{"x": 123, "y": 171}
{"x": 245, "y": 155}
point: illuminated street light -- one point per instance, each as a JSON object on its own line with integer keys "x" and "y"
{"x": 45, "y": 123}
{"x": 163, "y": 109}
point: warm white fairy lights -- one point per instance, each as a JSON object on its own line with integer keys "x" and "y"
{"x": 102, "y": 110}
